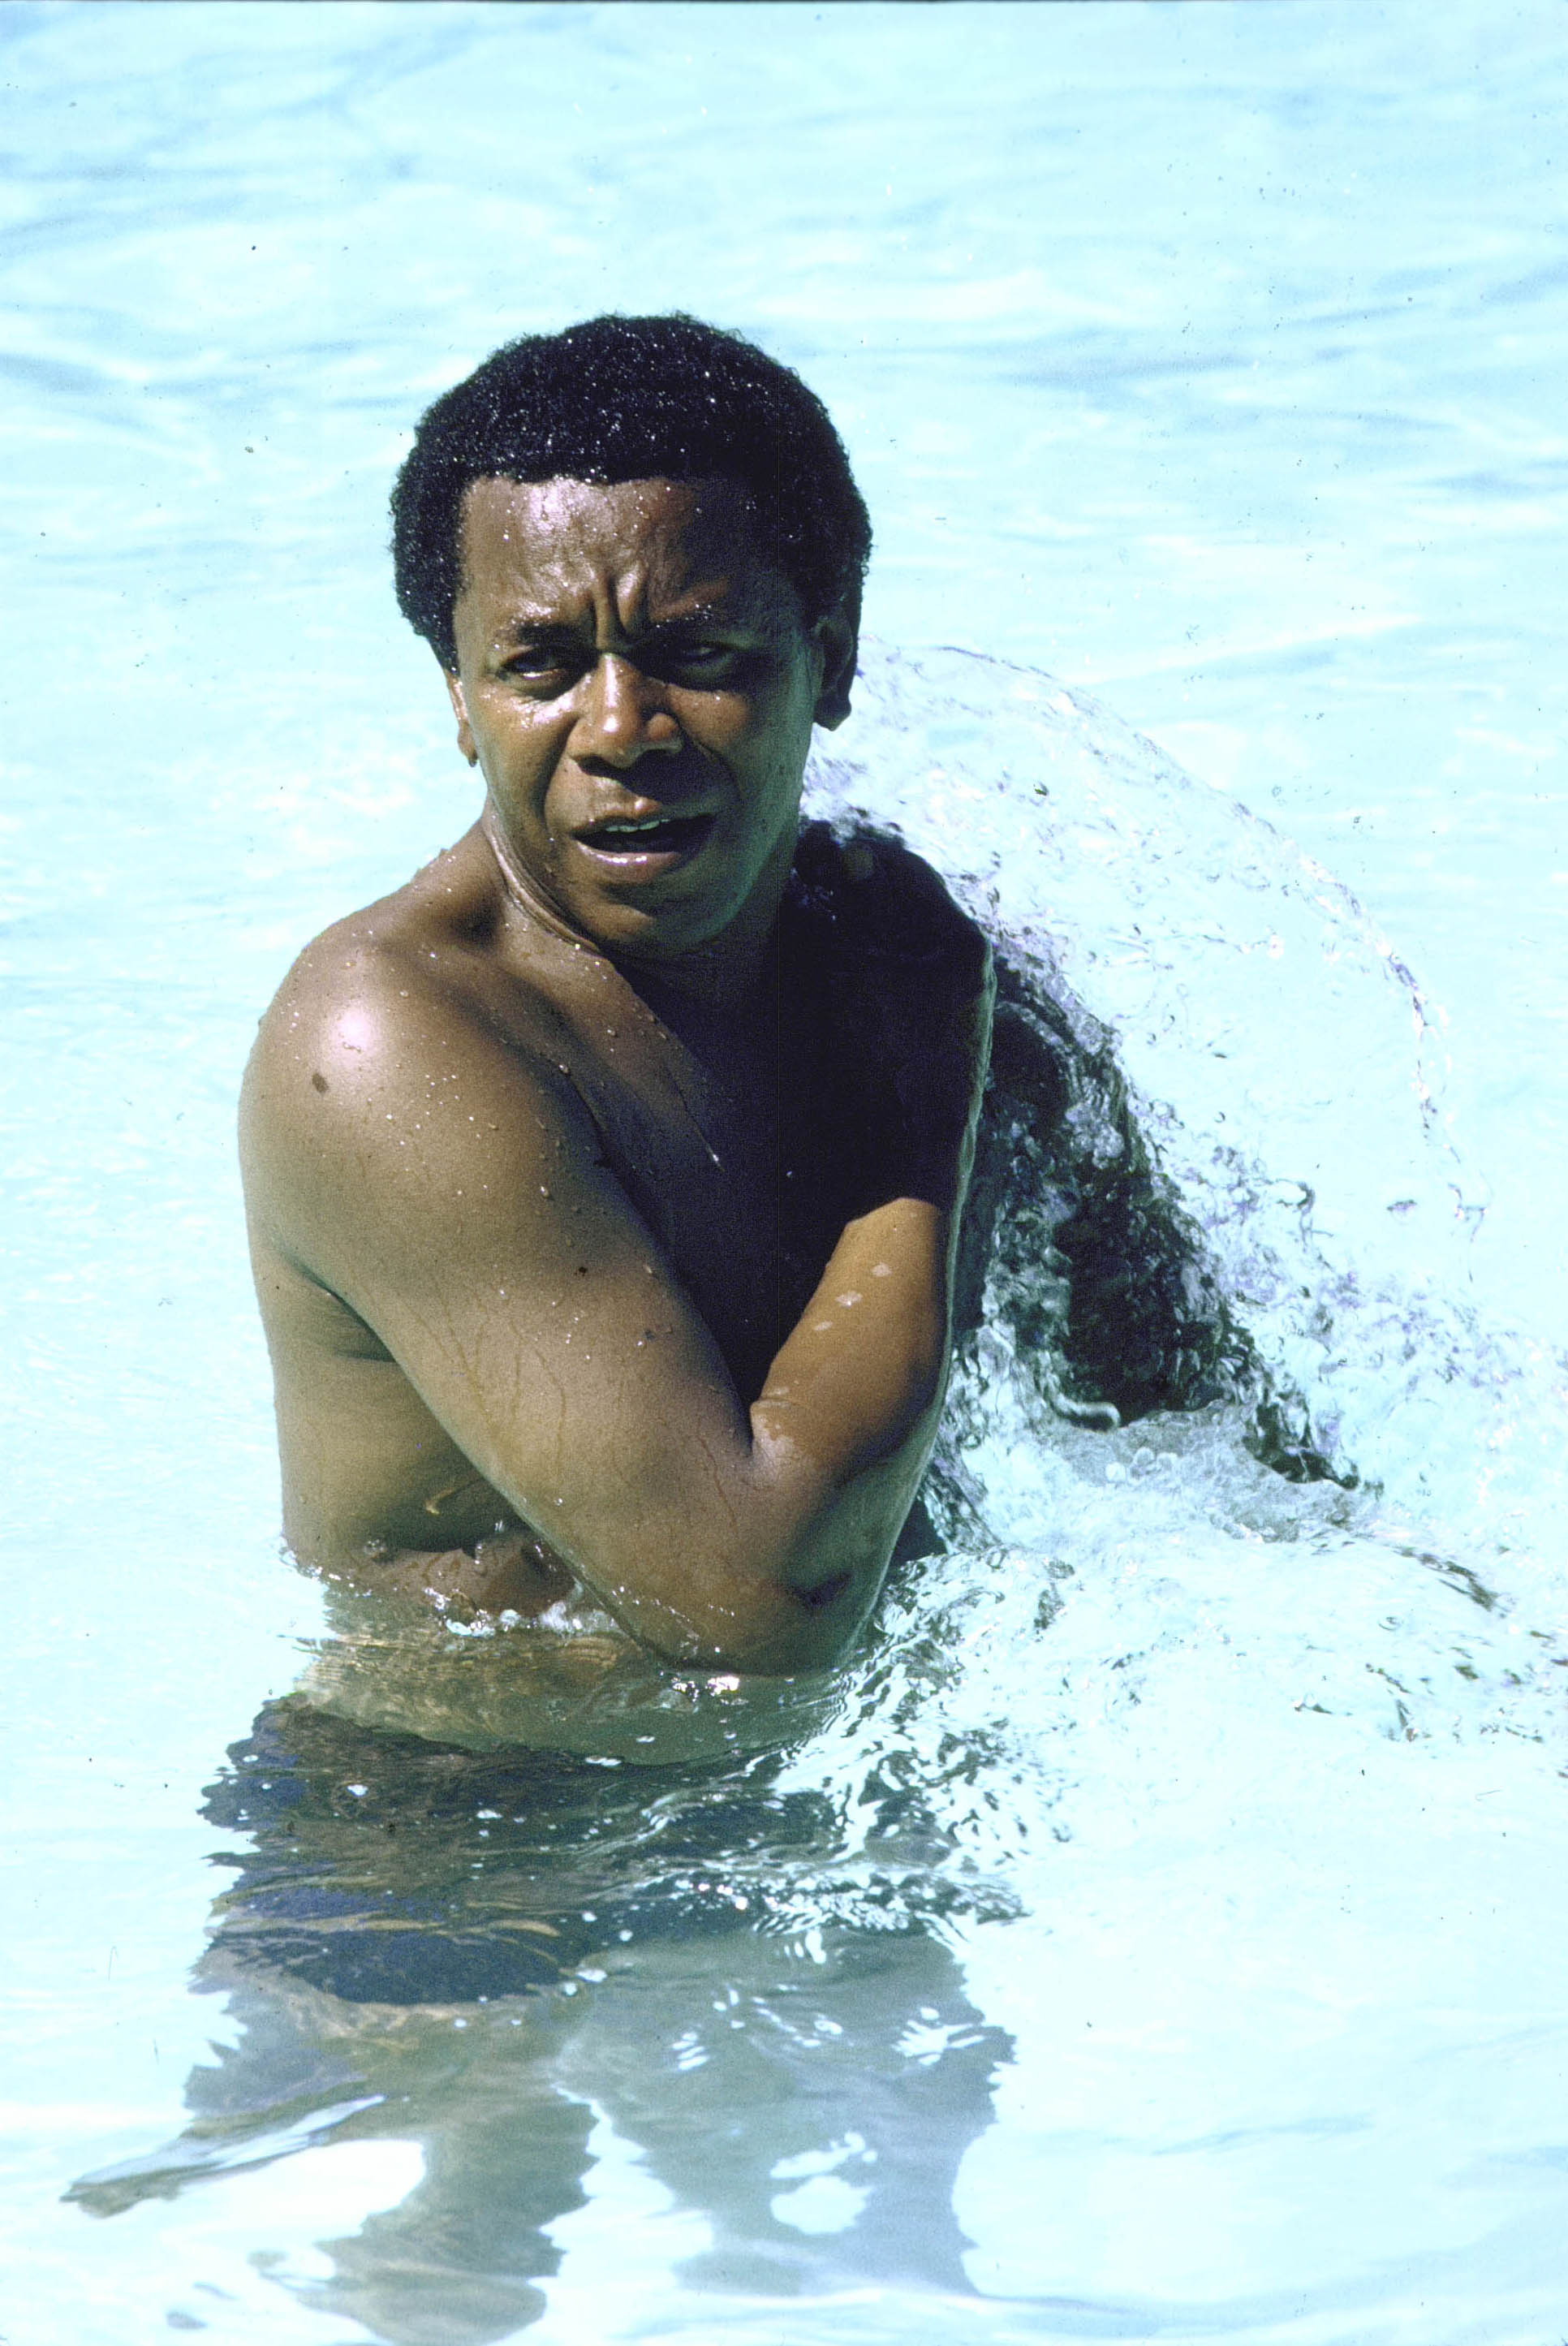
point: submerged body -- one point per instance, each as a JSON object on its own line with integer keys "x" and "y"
{"x": 604, "y": 1181}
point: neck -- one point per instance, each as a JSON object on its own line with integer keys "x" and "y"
{"x": 724, "y": 978}
{"x": 526, "y": 898}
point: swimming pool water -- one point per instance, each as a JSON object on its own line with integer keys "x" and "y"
{"x": 1156, "y": 1932}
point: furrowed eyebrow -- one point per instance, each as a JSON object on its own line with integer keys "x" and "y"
{"x": 528, "y": 629}
{"x": 525, "y": 628}
{"x": 693, "y": 623}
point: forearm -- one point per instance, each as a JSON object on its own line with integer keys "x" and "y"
{"x": 861, "y": 1377}
{"x": 838, "y": 1438}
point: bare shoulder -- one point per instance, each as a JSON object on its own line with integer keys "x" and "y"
{"x": 396, "y": 1054}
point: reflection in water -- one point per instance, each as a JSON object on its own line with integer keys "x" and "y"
{"x": 483, "y": 1954}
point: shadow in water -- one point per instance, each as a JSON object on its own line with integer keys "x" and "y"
{"x": 489, "y": 1955}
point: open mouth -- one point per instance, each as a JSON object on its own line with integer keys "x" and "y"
{"x": 672, "y": 834}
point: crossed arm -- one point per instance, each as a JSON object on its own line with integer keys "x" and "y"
{"x": 453, "y": 1193}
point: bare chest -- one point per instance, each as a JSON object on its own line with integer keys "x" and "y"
{"x": 715, "y": 1141}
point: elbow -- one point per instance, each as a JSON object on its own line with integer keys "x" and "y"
{"x": 771, "y": 1630}
{"x": 805, "y": 1607}
{"x": 804, "y": 1630}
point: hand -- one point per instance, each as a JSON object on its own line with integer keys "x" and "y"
{"x": 511, "y": 1572}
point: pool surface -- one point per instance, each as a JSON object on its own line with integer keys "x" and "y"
{"x": 1156, "y": 1932}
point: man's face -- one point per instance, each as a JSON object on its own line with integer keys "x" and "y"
{"x": 638, "y": 687}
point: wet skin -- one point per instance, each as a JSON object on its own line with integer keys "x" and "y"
{"x": 604, "y": 1181}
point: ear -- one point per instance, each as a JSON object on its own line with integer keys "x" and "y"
{"x": 837, "y": 640}
{"x": 459, "y": 710}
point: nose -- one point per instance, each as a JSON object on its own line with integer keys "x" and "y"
{"x": 624, "y": 715}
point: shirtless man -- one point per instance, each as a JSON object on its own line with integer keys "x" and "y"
{"x": 605, "y": 1181}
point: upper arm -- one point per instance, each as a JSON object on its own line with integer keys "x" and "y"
{"x": 450, "y": 1186}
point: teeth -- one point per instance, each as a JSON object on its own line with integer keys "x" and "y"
{"x": 639, "y": 826}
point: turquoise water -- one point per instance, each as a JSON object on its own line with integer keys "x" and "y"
{"x": 1157, "y": 1934}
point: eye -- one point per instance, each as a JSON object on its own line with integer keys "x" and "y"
{"x": 542, "y": 664}
{"x": 704, "y": 663}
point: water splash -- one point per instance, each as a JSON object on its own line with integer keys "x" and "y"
{"x": 1222, "y": 1382}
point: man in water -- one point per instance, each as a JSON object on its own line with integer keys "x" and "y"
{"x": 605, "y": 1181}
